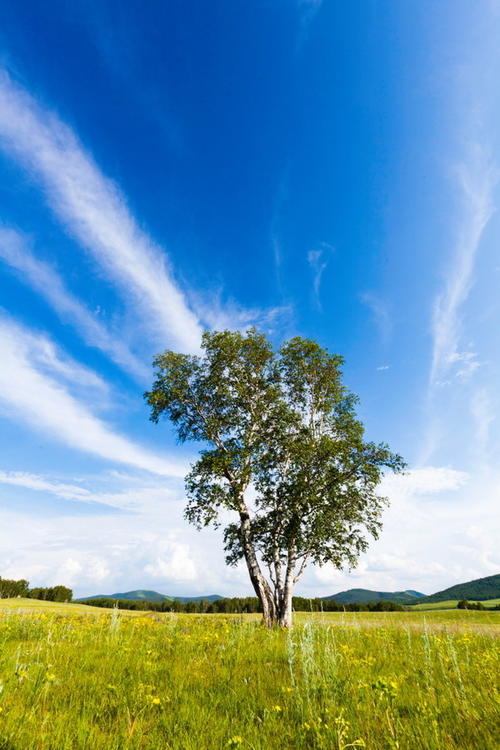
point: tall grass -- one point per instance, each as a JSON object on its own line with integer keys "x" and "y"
{"x": 112, "y": 681}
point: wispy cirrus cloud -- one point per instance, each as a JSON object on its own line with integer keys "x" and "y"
{"x": 42, "y": 484}
{"x": 95, "y": 212}
{"x": 308, "y": 10}
{"x": 134, "y": 495}
{"x": 44, "y": 279}
{"x": 477, "y": 180}
{"x": 37, "y": 386}
{"x": 220, "y": 313}
{"x": 483, "y": 411}
{"x": 381, "y": 314}
{"x": 318, "y": 261}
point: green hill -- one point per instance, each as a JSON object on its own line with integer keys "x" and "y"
{"x": 361, "y": 596}
{"x": 478, "y": 590}
{"x": 151, "y": 596}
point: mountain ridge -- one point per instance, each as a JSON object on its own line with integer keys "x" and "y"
{"x": 479, "y": 589}
{"x": 361, "y": 596}
{"x": 145, "y": 595}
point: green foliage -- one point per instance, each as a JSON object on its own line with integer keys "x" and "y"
{"x": 464, "y": 604}
{"x": 52, "y": 594}
{"x": 478, "y": 590}
{"x": 284, "y": 425}
{"x": 11, "y": 588}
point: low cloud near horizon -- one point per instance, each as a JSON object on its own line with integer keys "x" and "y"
{"x": 104, "y": 552}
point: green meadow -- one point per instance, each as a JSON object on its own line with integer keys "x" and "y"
{"x": 75, "y": 677}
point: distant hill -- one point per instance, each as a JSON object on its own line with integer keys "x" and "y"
{"x": 361, "y": 596}
{"x": 151, "y": 596}
{"x": 475, "y": 591}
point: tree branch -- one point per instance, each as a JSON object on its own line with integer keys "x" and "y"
{"x": 302, "y": 566}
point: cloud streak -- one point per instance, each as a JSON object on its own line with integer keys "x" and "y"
{"x": 220, "y": 314}
{"x": 46, "y": 281}
{"x": 41, "y": 484}
{"x": 35, "y": 386}
{"x": 477, "y": 181}
{"x": 134, "y": 497}
{"x": 308, "y": 10}
{"x": 381, "y": 314}
{"x": 318, "y": 263}
{"x": 95, "y": 213}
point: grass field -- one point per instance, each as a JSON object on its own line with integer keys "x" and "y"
{"x": 77, "y": 677}
{"x": 451, "y": 604}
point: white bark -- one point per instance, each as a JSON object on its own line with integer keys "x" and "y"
{"x": 259, "y": 583}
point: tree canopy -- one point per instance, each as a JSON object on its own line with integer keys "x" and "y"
{"x": 282, "y": 448}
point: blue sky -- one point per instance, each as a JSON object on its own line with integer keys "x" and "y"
{"x": 311, "y": 167}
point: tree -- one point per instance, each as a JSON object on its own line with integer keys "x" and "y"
{"x": 282, "y": 449}
{"x": 10, "y": 588}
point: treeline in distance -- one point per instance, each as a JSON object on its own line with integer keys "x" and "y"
{"x": 465, "y": 604}
{"x": 10, "y": 589}
{"x": 239, "y": 605}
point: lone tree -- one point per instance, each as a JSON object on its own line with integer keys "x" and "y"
{"x": 282, "y": 449}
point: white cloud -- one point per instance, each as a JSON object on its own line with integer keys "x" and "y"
{"x": 476, "y": 180}
{"x": 46, "y": 281}
{"x": 72, "y": 571}
{"x": 383, "y": 367}
{"x": 174, "y": 562}
{"x": 423, "y": 546}
{"x": 95, "y": 212}
{"x": 467, "y": 363}
{"x": 32, "y": 388}
{"x": 427, "y": 480}
{"x": 157, "y": 550}
{"x": 148, "y": 545}
{"x": 381, "y": 572}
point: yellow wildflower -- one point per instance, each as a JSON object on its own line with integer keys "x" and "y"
{"x": 235, "y": 741}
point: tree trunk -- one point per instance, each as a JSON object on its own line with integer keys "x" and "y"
{"x": 259, "y": 583}
{"x": 269, "y": 614}
{"x": 285, "y": 609}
